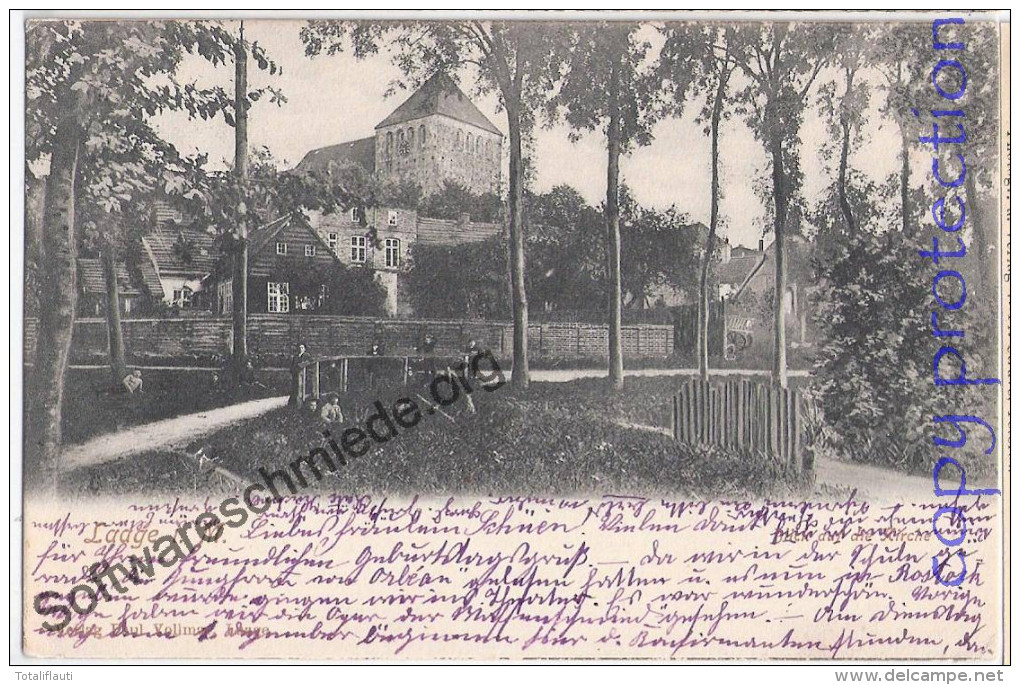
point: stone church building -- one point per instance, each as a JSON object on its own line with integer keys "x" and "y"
{"x": 436, "y": 135}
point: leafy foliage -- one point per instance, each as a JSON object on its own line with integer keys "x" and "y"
{"x": 459, "y": 282}
{"x": 455, "y": 199}
{"x": 663, "y": 249}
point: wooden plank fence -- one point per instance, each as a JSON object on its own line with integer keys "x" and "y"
{"x": 743, "y": 415}
{"x": 310, "y": 379}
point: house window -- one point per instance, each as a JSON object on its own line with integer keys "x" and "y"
{"x": 309, "y": 250}
{"x": 279, "y": 297}
{"x": 358, "y": 248}
{"x": 410, "y": 139}
{"x": 392, "y": 253}
{"x": 391, "y": 219}
{"x": 355, "y": 215}
{"x": 333, "y": 240}
{"x": 281, "y": 248}
{"x": 182, "y": 297}
{"x": 226, "y": 292}
{"x": 467, "y": 145}
{"x": 421, "y": 136}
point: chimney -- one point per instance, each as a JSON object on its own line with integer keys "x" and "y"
{"x": 463, "y": 218}
{"x": 761, "y": 244}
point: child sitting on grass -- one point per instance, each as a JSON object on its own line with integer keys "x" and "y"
{"x": 331, "y": 412}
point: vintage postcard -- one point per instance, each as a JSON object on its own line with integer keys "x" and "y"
{"x": 516, "y": 336}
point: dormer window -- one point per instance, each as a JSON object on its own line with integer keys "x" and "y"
{"x": 355, "y": 214}
{"x": 391, "y": 218}
{"x": 309, "y": 250}
{"x": 281, "y": 248}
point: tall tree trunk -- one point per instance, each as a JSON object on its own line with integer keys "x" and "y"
{"x": 986, "y": 267}
{"x": 841, "y": 180}
{"x": 613, "y": 233}
{"x": 779, "y": 199}
{"x": 905, "y": 180}
{"x": 844, "y": 154}
{"x": 521, "y": 377}
{"x": 118, "y": 363}
{"x": 240, "y": 280}
{"x": 713, "y": 226}
{"x": 35, "y": 254}
{"x": 59, "y": 296}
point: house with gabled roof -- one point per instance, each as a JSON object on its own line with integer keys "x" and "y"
{"x": 288, "y": 269}
{"x": 752, "y": 282}
{"x": 180, "y": 258}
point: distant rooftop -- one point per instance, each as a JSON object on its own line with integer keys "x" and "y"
{"x": 360, "y": 152}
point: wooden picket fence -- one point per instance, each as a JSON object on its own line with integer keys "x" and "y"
{"x": 745, "y": 415}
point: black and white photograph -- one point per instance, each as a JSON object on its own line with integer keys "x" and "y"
{"x": 513, "y": 335}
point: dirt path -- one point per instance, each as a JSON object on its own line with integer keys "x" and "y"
{"x": 874, "y": 483}
{"x": 165, "y": 434}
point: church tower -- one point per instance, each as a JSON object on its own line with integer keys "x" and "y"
{"x": 436, "y": 135}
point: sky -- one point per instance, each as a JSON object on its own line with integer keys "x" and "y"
{"x": 332, "y": 99}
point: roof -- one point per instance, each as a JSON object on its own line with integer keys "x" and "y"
{"x": 798, "y": 262}
{"x": 150, "y": 277}
{"x": 360, "y": 152}
{"x": 92, "y": 282}
{"x": 451, "y": 232}
{"x": 258, "y": 238}
{"x": 262, "y": 235}
{"x": 439, "y": 95}
{"x": 169, "y": 260}
{"x": 737, "y": 269}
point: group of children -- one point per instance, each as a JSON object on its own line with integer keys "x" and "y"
{"x": 329, "y": 412}
{"x": 328, "y": 409}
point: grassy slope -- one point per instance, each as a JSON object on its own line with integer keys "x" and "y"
{"x": 558, "y": 438}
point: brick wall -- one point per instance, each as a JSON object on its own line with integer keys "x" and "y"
{"x": 273, "y": 335}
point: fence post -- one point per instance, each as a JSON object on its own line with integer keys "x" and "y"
{"x": 315, "y": 381}
{"x": 302, "y": 380}
{"x": 696, "y": 403}
{"x": 690, "y": 417}
{"x": 791, "y": 456}
{"x": 673, "y": 417}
